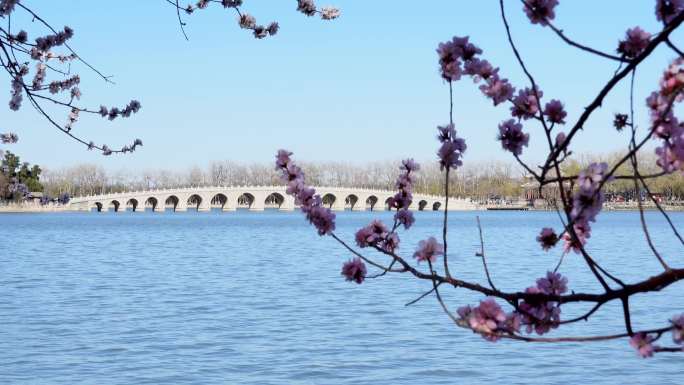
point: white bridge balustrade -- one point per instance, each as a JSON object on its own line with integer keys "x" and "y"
{"x": 255, "y": 198}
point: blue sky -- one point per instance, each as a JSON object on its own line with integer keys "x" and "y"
{"x": 361, "y": 88}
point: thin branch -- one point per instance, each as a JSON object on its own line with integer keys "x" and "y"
{"x": 482, "y": 254}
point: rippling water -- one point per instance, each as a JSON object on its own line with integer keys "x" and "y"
{"x": 256, "y": 298}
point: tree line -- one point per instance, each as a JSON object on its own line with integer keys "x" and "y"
{"x": 481, "y": 181}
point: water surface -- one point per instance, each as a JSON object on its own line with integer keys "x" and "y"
{"x": 257, "y": 298}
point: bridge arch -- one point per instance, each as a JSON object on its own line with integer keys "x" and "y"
{"x": 115, "y": 204}
{"x": 371, "y": 201}
{"x": 133, "y": 204}
{"x": 98, "y": 206}
{"x": 329, "y": 200}
{"x": 195, "y": 200}
{"x": 172, "y": 201}
{"x": 245, "y": 200}
{"x": 351, "y": 201}
{"x": 219, "y": 200}
{"x": 422, "y": 204}
{"x": 436, "y": 206}
{"x": 274, "y": 200}
{"x": 152, "y": 202}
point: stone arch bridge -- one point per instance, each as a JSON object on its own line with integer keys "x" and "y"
{"x": 256, "y": 198}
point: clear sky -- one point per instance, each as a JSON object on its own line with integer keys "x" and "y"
{"x": 361, "y": 88}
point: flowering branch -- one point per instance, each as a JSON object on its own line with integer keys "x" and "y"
{"x": 246, "y": 20}
{"x": 18, "y": 55}
{"x": 579, "y": 199}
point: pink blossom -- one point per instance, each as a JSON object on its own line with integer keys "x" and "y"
{"x": 552, "y": 284}
{"x": 643, "y": 343}
{"x": 583, "y": 232}
{"x": 306, "y": 7}
{"x": 451, "y": 53}
{"x": 7, "y": 6}
{"x": 554, "y": 112}
{"x": 322, "y": 218}
{"x": 588, "y": 200}
{"x": 591, "y": 177}
{"x": 330, "y": 13}
{"x": 540, "y": 11}
{"x": 512, "y": 137}
{"x": 620, "y": 121}
{"x": 499, "y": 90}
{"x": 486, "y": 318}
{"x": 273, "y": 28}
{"x": 354, "y": 270}
{"x": 391, "y": 243}
{"x": 405, "y": 218}
{"x": 282, "y": 159}
{"x": 539, "y": 316}
{"x": 635, "y": 42}
{"x": 525, "y": 104}
{"x": 479, "y": 69}
{"x": 666, "y": 10}
{"x": 231, "y": 3}
{"x": 672, "y": 81}
{"x": 375, "y": 232}
{"x": 452, "y": 148}
{"x": 678, "y": 329}
{"x": 246, "y": 21}
{"x": 547, "y": 238}
{"x": 428, "y": 250}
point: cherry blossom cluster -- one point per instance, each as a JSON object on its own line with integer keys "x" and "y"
{"x": 512, "y": 137}
{"x": 311, "y": 204}
{"x": 249, "y": 22}
{"x": 378, "y": 235}
{"x": 451, "y": 151}
{"x": 308, "y": 8}
{"x": 644, "y": 343}
{"x": 115, "y": 112}
{"x": 541, "y": 316}
{"x": 538, "y": 315}
{"x": 635, "y": 42}
{"x": 458, "y": 57}
{"x": 29, "y": 65}
{"x": 586, "y": 204}
{"x": 428, "y": 250}
{"x": 354, "y": 270}
{"x": 540, "y": 11}
{"x": 665, "y": 124}
{"x": 666, "y": 10}
{"x": 404, "y": 196}
{"x": 547, "y": 238}
{"x": 489, "y": 320}
{"x": 7, "y": 6}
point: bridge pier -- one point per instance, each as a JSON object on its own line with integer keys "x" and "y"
{"x": 338, "y": 205}
{"x": 204, "y": 207}
{"x": 258, "y": 205}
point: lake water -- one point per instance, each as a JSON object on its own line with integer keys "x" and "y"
{"x": 257, "y": 298}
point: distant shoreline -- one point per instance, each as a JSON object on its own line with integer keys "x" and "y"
{"x": 31, "y": 209}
